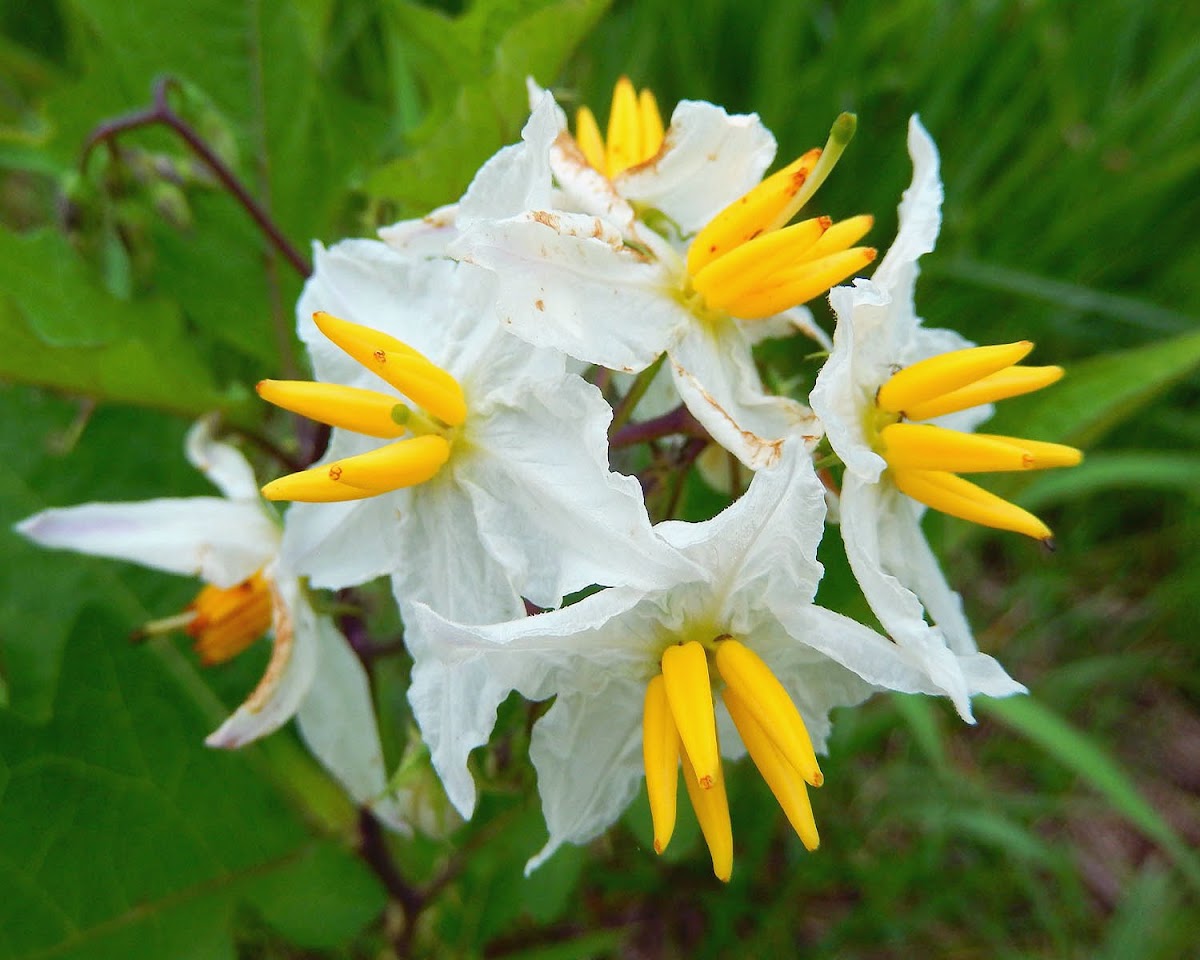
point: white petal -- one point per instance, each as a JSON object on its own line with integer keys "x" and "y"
{"x": 289, "y": 674}
{"x": 462, "y": 673}
{"x": 716, "y": 377}
{"x": 786, "y": 324}
{"x": 343, "y": 544}
{"x": 549, "y": 508}
{"x": 426, "y": 236}
{"x": 223, "y": 464}
{"x": 220, "y": 541}
{"x": 568, "y": 282}
{"x": 337, "y": 719}
{"x": 587, "y": 750}
{"x": 708, "y": 159}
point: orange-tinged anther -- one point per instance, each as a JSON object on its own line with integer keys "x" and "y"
{"x": 928, "y": 379}
{"x": 228, "y": 619}
{"x": 961, "y": 498}
{"x": 351, "y": 408}
{"x": 660, "y": 756}
{"x": 768, "y": 702}
{"x": 689, "y": 693}
{"x": 712, "y": 811}
{"x": 401, "y": 464}
{"x": 786, "y": 784}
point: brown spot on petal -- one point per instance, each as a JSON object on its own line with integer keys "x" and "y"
{"x": 281, "y": 653}
{"x": 540, "y": 304}
{"x": 545, "y": 218}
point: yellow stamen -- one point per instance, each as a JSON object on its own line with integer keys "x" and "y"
{"x": 751, "y": 263}
{"x": 624, "y": 128}
{"x": 918, "y": 446}
{"x": 841, "y": 236}
{"x": 805, "y": 281}
{"x": 402, "y": 464}
{"x": 351, "y": 408}
{"x": 768, "y": 702}
{"x": 591, "y": 143}
{"x": 427, "y": 385}
{"x": 751, "y": 214}
{"x": 712, "y": 810}
{"x": 781, "y": 776}
{"x": 689, "y": 692}
{"x": 931, "y": 378}
{"x": 660, "y": 755}
{"x": 226, "y": 620}
{"x": 652, "y": 125}
{"x": 1009, "y": 382}
{"x": 1046, "y": 456}
{"x": 963, "y": 499}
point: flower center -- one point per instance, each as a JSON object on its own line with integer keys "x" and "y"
{"x": 679, "y": 726}
{"x": 635, "y": 131}
{"x": 748, "y": 264}
{"x": 924, "y": 459}
{"x": 423, "y": 430}
{"x": 224, "y": 621}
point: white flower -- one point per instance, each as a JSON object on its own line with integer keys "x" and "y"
{"x": 592, "y": 271}
{"x": 232, "y": 543}
{"x": 496, "y": 483}
{"x": 862, "y": 399}
{"x": 601, "y": 656}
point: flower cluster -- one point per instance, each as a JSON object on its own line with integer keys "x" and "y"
{"x": 594, "y": 296}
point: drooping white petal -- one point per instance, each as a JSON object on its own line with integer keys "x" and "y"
{"x": 717, "y": 379}
{"x": 296, "y": 643}
{"x": 570, "y": 283}
{"x": 708, "y": 159}
{"x": 587, "y": 750}
{"x": 223, "y": 464}
{"x": 221, "y": 541}
{"x": 337, "y": 722}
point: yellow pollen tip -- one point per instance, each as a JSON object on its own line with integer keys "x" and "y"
{"x": 351, "y": 408}
{"x": 426, "y": 384}
{"x": 960, "y": 498}
{"x": 712, "y": 811}
{"x": 929, "y": 379}
{"x": 755, "y": 686}
{"x": 1009, "y": 382}
{"x": 405, "y": 463}
{"x": 689, "y": 693}
{"x": 660, "y": 756}
{"x": 226, "y": 620}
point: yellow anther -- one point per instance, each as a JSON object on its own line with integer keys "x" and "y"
{"x": 754, "y": 262}
{"x": 351, "y": 408}
{"x": 919, "y": 446}
{"x": 660, "y": 755}
{"x": 1009, "y": 382}
{"x": 712, "y": 810}
{"x": 427, "y": 385}
{"x": 781, "y": 776}
{"x": 624, "y": 128}
{"x": 591, "y": 143}
{"x": 931, "y": 378}
{"x": 756, "y": 686}
{"x": 751, "y": 214}
{"x": 841, "y": 236}
{"x": 961, "y": 498}
{"x": 402, "y": 464}
{"x": 1045, "y": 455}
{"x": 652, "y": 125}
{"x": 805, "y": 281}
{"x": 689, "y": 693}
{"x": 226, "y": 620}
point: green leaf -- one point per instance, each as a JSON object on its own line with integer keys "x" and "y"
{"x": 122, "y": 835}
{"x": 1079, "y": 752}
{"x": 62, "y": 329}
{"x": 478, "y": 96}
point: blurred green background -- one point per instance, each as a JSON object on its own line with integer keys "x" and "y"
{"x": 135, "y": 294}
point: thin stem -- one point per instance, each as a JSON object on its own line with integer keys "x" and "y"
{"x": 677, "y": 421}
{"x": 638, "y": 390}
{"x": 162, "y": 113}
{"x": 372, "y": 846}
